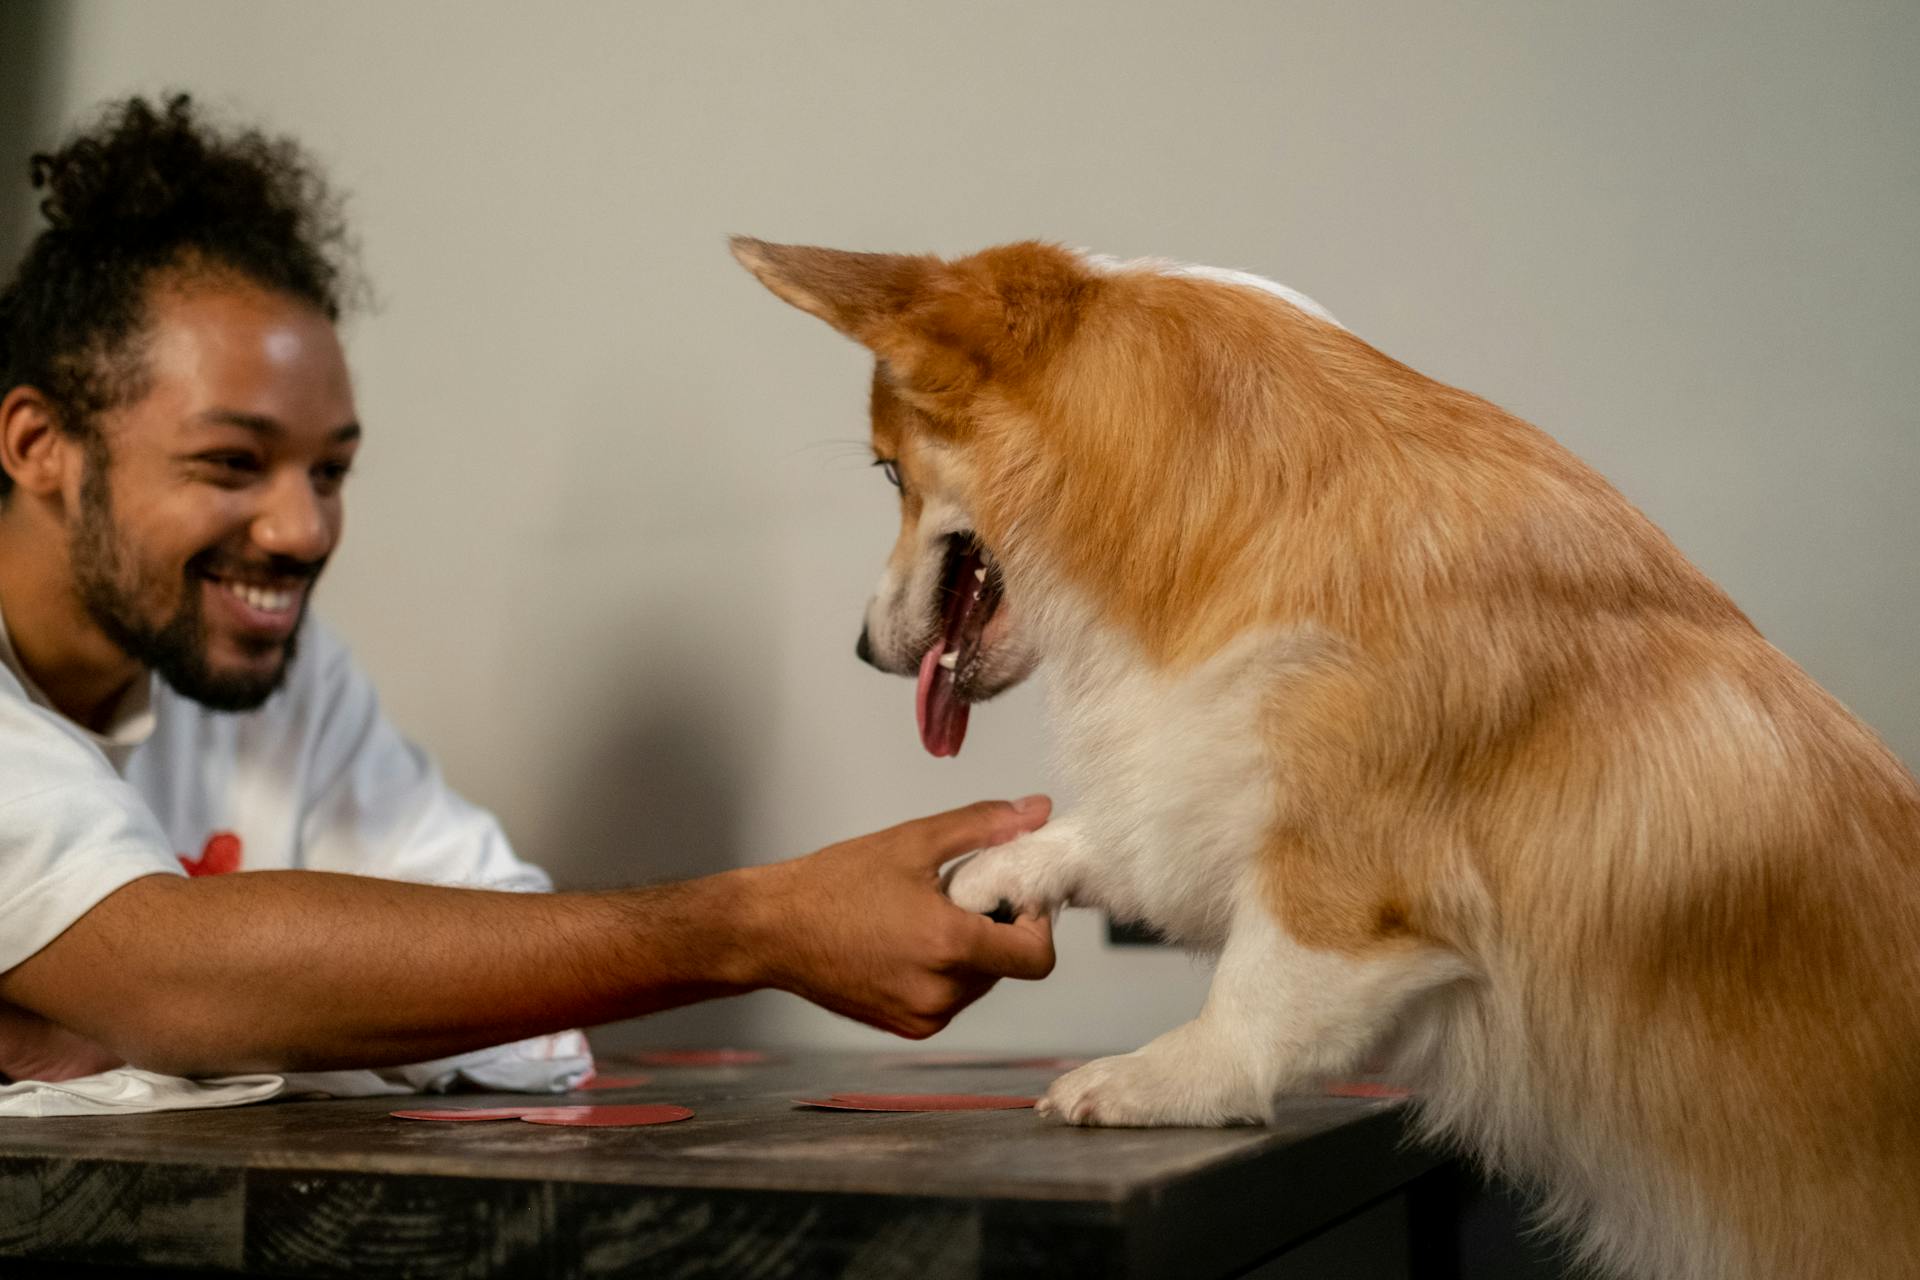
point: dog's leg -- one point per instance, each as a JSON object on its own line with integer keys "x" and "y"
{"x": 1035, "y": 873}
{"x": 1279, "y": 1016}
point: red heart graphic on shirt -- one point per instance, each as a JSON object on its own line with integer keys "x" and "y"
{"x": 221, "y": 855}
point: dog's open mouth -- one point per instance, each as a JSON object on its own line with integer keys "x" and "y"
{"x": 970, "y": 590}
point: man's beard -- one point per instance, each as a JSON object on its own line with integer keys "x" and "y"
{"x": 111, "y": 586}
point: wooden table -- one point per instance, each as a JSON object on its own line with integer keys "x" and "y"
{"x": 752, "y": 1186}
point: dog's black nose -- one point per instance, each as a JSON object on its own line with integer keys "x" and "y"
{"x": 864, "y": 648}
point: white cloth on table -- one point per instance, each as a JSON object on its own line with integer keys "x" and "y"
{"x": 545, "y": 1064}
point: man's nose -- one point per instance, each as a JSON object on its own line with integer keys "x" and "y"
{"x": 864, "y": 648}
{"x": 296, "y": 522}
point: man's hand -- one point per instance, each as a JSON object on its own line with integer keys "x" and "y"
{"x": 32, "y": 1048}
{"x": 862, "y": 927}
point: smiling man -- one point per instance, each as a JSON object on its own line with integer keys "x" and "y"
{"x": 189, "y": 571}
{"x": 176, "y": 426}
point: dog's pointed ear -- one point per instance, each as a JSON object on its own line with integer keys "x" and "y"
{"x": 860, "y": 294}
{"x": 941, "y": 328}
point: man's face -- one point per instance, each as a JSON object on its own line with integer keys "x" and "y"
{"x": 208, "y": 506}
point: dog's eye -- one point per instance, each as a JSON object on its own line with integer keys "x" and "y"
{"x": 890, "y": 469}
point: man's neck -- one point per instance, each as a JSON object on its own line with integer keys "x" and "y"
{"x": 66, "y": 655}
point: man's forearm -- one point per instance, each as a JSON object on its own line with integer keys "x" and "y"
{"x": 283, "y": 970}
{"x": 299, "y": 970}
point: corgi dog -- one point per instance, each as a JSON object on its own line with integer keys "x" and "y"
{"x": 1380, "y": 696}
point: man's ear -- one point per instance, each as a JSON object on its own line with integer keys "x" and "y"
{"x": 940, "y": 328}
{"x": 32, "y": 448}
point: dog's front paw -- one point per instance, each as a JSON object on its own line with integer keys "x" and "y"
{"x": 1022, "y": 878}
{"x": 1153, "y": 1088}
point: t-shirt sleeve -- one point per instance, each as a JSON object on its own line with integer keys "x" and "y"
{"x": 380, "y": 806}
{"x": 71, "y": 831}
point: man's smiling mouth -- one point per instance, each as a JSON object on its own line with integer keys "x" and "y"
{"x": 263, "y": 598}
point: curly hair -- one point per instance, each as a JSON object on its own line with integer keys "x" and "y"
{"x": 149, "y": 190}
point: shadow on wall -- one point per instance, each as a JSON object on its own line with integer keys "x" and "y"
{"x": 30, "y": 31}
{"x": 655, "y": 793}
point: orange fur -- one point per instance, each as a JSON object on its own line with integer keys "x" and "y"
{"x": 1687, "y": 879}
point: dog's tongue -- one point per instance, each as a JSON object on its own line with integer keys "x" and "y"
{"x": 942, "y": 715}
{"x": 969, "y": 595}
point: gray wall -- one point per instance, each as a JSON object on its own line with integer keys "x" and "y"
{"x": 614, "y": 532}
{"x": 29, "y": 97}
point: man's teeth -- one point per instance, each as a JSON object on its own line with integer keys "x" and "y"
{"x": 950, "y": 659}
{"x": 261, "y": 598}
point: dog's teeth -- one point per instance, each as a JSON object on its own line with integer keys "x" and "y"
{"x": 979, "y": 575}
{"x": 950, "y": 659}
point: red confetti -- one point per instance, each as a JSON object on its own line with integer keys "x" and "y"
{"x": 918, "y": 1102}
{"x": 607, "y": 1117}
{"x": 696, "y": 1057}
{"x": 471, "y": 1113}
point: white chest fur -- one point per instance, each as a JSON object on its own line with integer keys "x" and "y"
{"x": 1176, "y": 784}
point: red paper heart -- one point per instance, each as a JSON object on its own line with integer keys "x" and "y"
{"x": 607, "y": 1117}
{"x": 221, "y": 855}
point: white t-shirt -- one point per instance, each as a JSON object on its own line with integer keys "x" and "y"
{"x": 314, "y": 779}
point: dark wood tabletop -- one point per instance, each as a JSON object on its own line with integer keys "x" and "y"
{"x": 752, "y": 1185}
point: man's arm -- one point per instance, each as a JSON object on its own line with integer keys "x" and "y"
{"x": 297, "y": 970}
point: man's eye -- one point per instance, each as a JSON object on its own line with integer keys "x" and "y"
{"x": 237, "y": 463}
{"x": 890, "y": 469}
{"x": 332, "y": 474}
